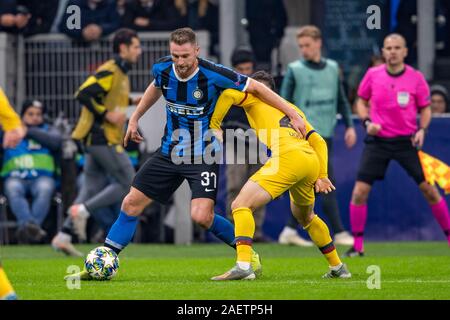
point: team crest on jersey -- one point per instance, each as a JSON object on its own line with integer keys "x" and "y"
{"x": 197, "y": 94}
{"x": 403, "y": 98}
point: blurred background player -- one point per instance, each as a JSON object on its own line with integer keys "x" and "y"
{"x": 396, "y": 92}
{"x": 237, "y": 173}
{"x": 13, "y": 133}
{"x": 297, "y": 164}
{"x": 107, "y": 168}
{"x": 313, "y": 84}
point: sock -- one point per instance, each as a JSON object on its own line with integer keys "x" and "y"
{"x": 223, "y": 229}
{"x": 6, "y": 289}
{"x": 244, "y": 225}
{"x": 358, "y": 218}
{"x": 440, "y": 212}
{"x": 320, "y": 235}
{"x": 121, "y": 232}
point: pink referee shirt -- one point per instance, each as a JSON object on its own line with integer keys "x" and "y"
{"x": 395, "y": 100}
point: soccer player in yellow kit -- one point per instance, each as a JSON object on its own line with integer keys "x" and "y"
{"x": 297, "y": 164}
{"x": 13, "y": 132}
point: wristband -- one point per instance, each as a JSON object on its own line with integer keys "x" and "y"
{"x": 366, "y": 122}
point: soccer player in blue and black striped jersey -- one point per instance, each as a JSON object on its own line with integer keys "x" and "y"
{"x": 191, "y": 87}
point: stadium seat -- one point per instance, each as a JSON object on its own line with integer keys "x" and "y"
{"x": 7, "y": 221}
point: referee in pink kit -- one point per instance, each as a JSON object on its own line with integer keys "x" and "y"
{"x": 390, "y": 96}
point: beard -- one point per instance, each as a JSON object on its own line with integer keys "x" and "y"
{"x": 184, "y": 71}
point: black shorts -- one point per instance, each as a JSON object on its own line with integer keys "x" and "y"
{"x": 379, "y": 151}
{"x": 159, "y": 177}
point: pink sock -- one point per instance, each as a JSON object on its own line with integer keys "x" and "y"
{"x": 358, "y": 217}
{"x": 440, "y": 212}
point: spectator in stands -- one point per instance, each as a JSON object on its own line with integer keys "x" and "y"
{"x": 98, "y": 18}
{"x": 121, "y": 10}
{"x": 202, "y": 15}
{"x": 152, "y": 15}
{"x": 266, "y": 22}
{"x": 439, "y": 99}
{"x": 13, "y": 18}
{"x": 29, "y": 169}
{"x": 42, "y": 15}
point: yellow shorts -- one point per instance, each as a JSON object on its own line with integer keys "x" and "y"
{"x": 295, "y": 170}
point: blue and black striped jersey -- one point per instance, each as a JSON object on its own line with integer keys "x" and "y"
{"x": 190, "y": 102}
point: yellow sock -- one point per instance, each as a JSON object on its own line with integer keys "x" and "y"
{"x": 320, "y": 235}
{"x": 5, "y": 286}
{"x": 244, "y": 229}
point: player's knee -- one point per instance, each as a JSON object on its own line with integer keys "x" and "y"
{"x": 132, "y": 205}
{"x": 202, "y": 215}
{"x": 241, "y": 203}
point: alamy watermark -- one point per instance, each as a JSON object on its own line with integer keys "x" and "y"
{"x": 73, "y": 21}
{"x": 73, "y": 283}
{"x": 374, "y": 280}
{"x": 373, "y": 22}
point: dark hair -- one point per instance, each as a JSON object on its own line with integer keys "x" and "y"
{"x": 123, "y": 36}
{"x": 263, "y": 76}
{"x": 183, "y": 35}
{"x": 242, "y": 55}
{"x": 27, "y": 104}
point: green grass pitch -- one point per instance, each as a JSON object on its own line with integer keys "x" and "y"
{"x": 409, "y": 270}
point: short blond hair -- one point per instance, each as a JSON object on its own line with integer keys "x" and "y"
{"x": 309, "y": 31}
{"x": 183, "y": 35}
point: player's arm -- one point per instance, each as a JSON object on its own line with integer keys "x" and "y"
{"x": 271, "y": 98}
{"x": 10, "y": 123}
{"x": 228, "y": 98}
{"x": 320, "y": 147}
{"x": 362, "y": 110}
{"x": 423, "y": 101}
{"x": 323, "y": 184}
{"x": 343, "y": 107}
{"x": 151, "y": 95}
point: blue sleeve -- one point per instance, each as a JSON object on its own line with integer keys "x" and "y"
{"x": 156, "y": 72}
{"x": 226, "y": 78}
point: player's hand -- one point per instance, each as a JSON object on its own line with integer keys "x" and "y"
{"x": 12, "y": 138}
{"x": 298, "y": 124}
{"x": 136, "y": 100}
{"x": 373, "y": 128}
{"x": 350, "y": 137}
{"x": 324, "y": 185}
{"x": 418, "y": 139}
{"x": 218, "y": 134}
{"x": 116, "y": 117}
{"x": 132, "y": 133}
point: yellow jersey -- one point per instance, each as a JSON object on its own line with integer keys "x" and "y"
{"x": 9, "y": 120}
{"x": 272, "y": 126}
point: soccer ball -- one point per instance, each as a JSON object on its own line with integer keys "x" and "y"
{"x": 102, "y": 263}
